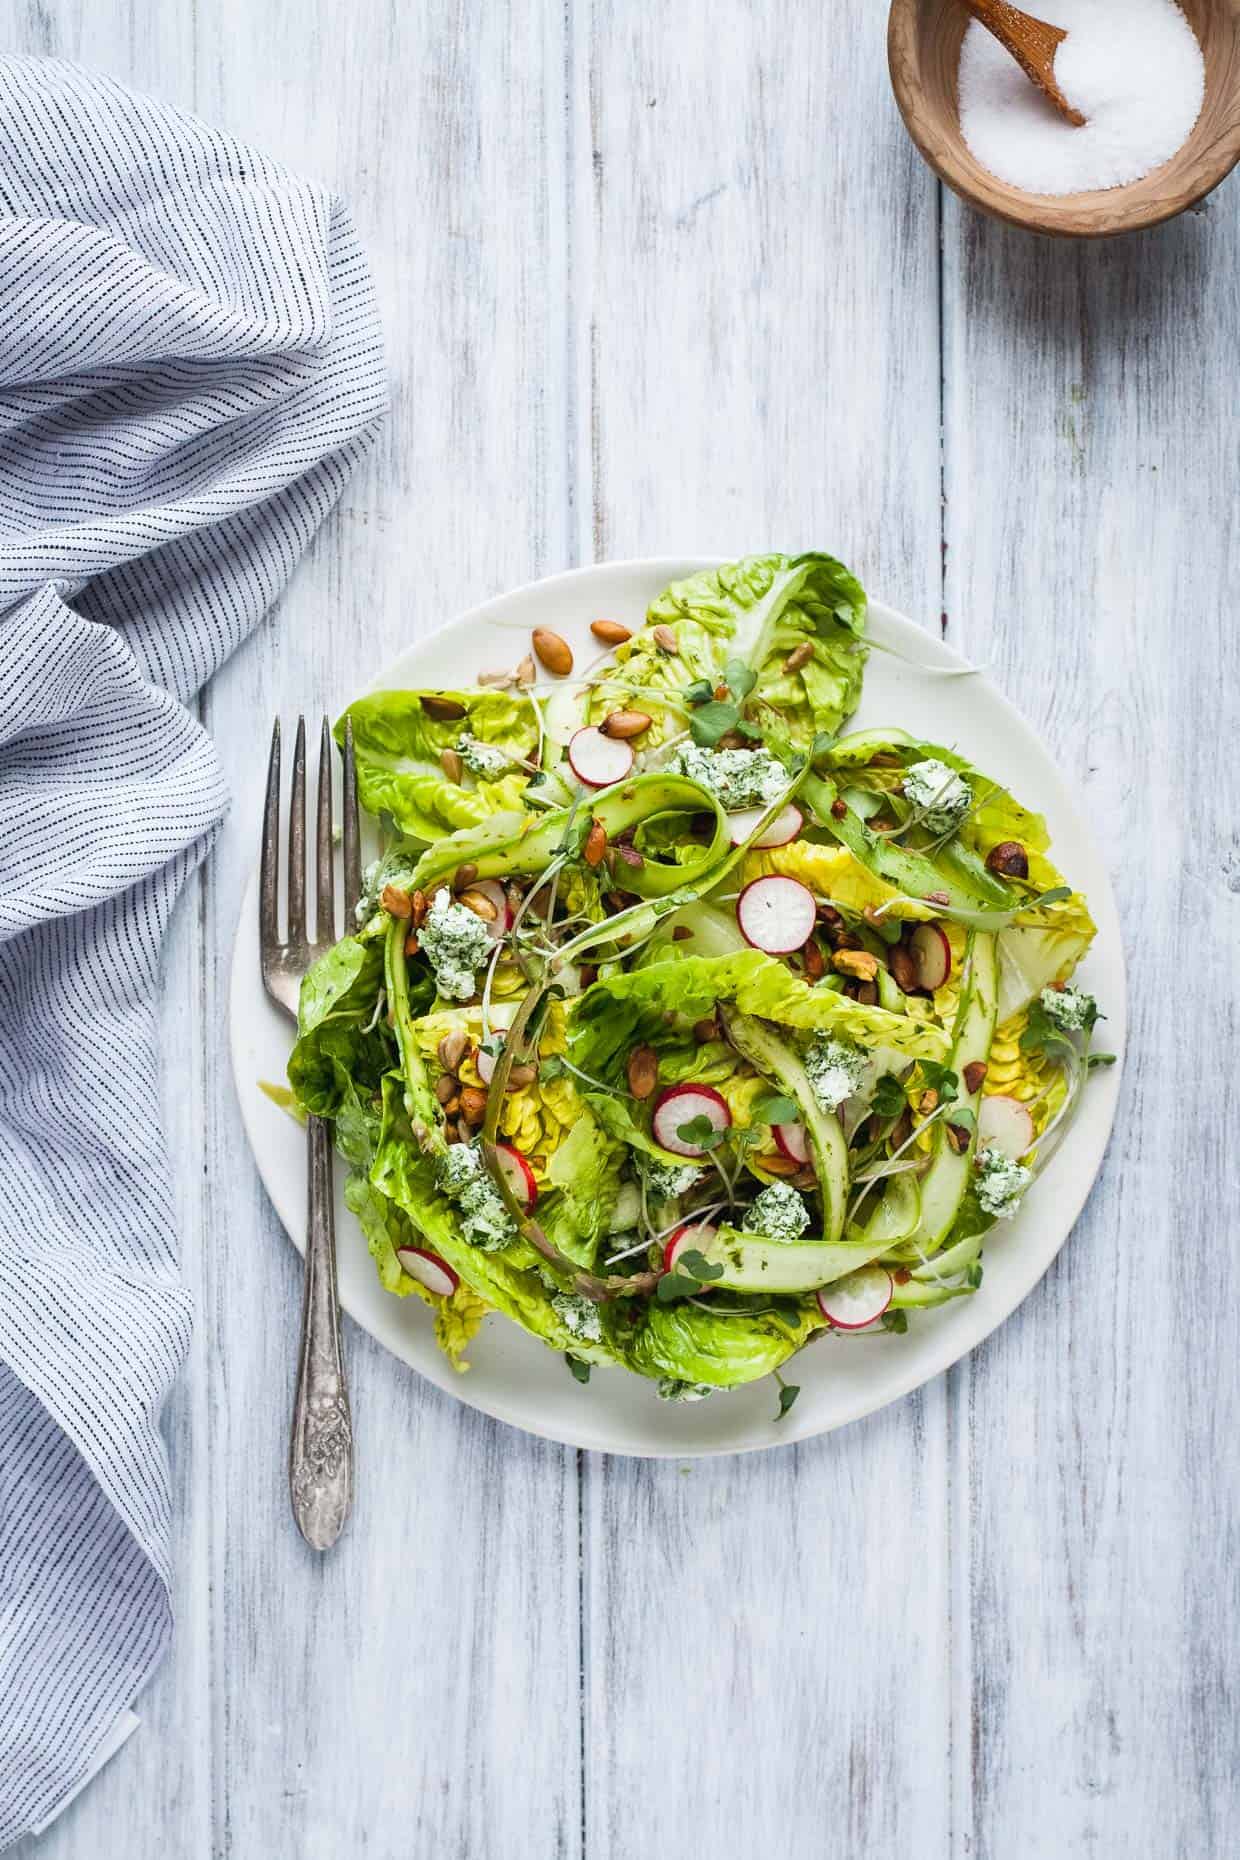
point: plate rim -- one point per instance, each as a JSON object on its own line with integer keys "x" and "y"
{"x": 933, "y": 1359}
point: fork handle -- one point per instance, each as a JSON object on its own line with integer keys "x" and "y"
{"x": 320, "y": 1461}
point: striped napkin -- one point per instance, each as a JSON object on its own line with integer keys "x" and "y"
{"x": 190, "y": 369}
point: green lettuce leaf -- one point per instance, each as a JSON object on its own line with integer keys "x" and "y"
{"x": 585, "y": 1172}
{"x": 510, "y": 1281}
{"x": 385, "y": 1227}
{"x": 399, "y": 758}
{"x": 1046, "y": 941}
{"x": 624, "y": 1010}
{"x": 337, "y": 1047}
{"x": 724, "y": 1349}
{"x": 757, "y": 611}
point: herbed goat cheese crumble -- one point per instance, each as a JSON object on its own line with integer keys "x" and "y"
{"x": 1000, "y": 1183}
{"x": 457, "y": 943}
{"x": 1070, "y": 1009}
{"x": 481, "y": 758}
{"x": 778, "y": 1213}
{"x": 485, "y": 1221}
{"x": 671, "y": 1388}
{"x": 395, "y": 868}
{"x": 737, "y": 777}
{"x": 580, "y": 1317}
{"x": 945, "y": 796}
{"x": 664, "y": 1181}
{"x": 834, "y": 1069}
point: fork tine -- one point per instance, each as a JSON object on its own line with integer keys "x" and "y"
{"x": 297, "y": 844}
{"x": 324, "y": 879}
{"x": 352, "y": 835}
{"x": 269, "y": 867}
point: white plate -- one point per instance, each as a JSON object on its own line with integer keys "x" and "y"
{"x": 516, "y": 1378}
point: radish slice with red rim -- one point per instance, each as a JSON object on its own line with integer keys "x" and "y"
{"x": 486, "y": 1064}
{"x": 693, "y": 1234}
{"x": 518, "y": 1174}
{"x": 428, "y": 1269}
{"x": 776, "y": 914}
{"x": 1004, "y": 1124}
{"x": 854, "y": 1302}
{"x": 792, "y": 1142}
{"x": 597, "y": 760}
{"x": 680, "y": 1105}
{"x": 932, "y": 955}
{"x": 785, "y": 826}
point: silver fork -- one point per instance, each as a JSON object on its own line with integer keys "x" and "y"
{"x": 320, "y": 1460}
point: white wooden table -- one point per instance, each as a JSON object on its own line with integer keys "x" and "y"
{"x": 657, "y": 278}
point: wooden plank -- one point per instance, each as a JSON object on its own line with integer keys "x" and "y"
{"x": 417, "y": 1690}
{"x": 756, "y": 299}
{"x": 1092, "y": 549}
{"x": 380, "y": 1697}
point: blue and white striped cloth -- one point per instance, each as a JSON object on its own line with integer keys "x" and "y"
{"x": 190, "y": 369}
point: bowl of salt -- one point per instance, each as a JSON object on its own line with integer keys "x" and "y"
{"x": 1158, "y": 86}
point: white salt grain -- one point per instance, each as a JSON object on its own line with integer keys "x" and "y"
{"x": 1134, "y": 70}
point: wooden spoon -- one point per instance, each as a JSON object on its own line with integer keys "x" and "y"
{"x": 1032, "y": 43}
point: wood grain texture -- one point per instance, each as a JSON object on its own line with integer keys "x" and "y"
{"x": 766, "y": 1656}
{"x": 376, "y": 1701}
{"x": 657, "y": 278}
{"x": 1092, "y": 545}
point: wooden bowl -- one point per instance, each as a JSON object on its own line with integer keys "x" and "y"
{"x": 923, "y": 51}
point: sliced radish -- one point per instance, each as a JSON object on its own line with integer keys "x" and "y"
{"x": 518, "y": 1174}
{"x": 932, "y": 955}
{"x": 697, "y": 1234}
{"x": 486, "y": 1064}
{"x": 776, "y": 914}
{"x": 1005, "y": 1124}
{"x": 429, "y": 1270}
{"x": 599, "y": 760}
{"x": 792, "y": 1140}
{"x": 680, "y": 1104}
{"x": 491, "y": 888}
{"x": 785, "y": 826}
{"x": 854, "y": 1302}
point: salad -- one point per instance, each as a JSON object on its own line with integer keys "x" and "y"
{"x": 679, "y": 1026}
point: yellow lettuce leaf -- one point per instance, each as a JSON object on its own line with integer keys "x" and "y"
{"x": 832, "y": 872}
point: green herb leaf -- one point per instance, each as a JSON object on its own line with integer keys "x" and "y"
{"x": 889, "y": 1099}
{"x": 1041, "y": 1035}
{"x": 700, "y": 691}
{"x": 711, "y": 721}
{"x": 1099, "y": 1059}
{"x": 675, "y": 1285}
{"x": 941, "y": 1079}
{"x": 896, "y": 1321}
{"x": 552, "y": 1067}
{"x": 788, "y": 1392}
{"x": 964, "y": 1119}
{"x": 697, "y": 1266}
{"x": 1059, "y": 895}
{"x": 749, "y": 731}
{"x": 580, "y": 1371}
{"x": 700, "y": 1132}
{"x": 739, "y": 679}
{"x": 776, "y": 1109}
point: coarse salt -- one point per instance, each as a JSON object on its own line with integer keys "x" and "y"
{"x": 1134, "y": 70}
